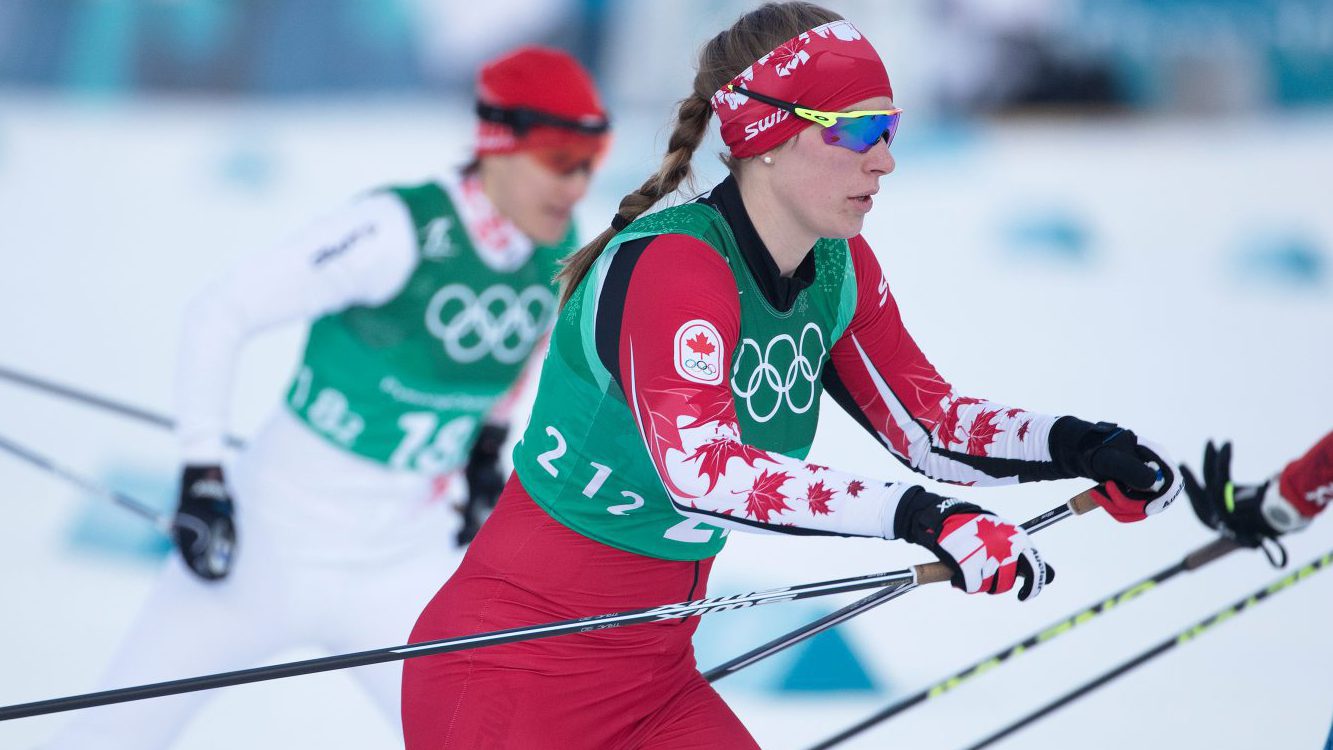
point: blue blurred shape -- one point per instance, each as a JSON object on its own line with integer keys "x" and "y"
{"x": 1052, "y": 234}
{"x": 104, "y": 529}
{"x": 1283, "y": 258}
{"x": 945, "y": 138}
{"x": 826, "y": 663}
{"x": 248, "y": 166}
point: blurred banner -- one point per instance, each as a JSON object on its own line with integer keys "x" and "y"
{"x": 963, "y": 55}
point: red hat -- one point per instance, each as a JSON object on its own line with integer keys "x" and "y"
{"x": 538, "y": 98}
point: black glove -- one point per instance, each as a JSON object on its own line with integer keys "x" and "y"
{"x": 485, "y": 480}
{"x": 985, "y": 554}
{"x": 1239, "y": 512}
{"x": 203, "y": 529}
{"x": 1136, "y": 478}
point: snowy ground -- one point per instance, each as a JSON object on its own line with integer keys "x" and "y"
{"x": 1161, "y": 274}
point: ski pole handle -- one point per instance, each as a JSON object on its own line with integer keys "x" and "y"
{"x": 1083, "y": 502}
{"x": 1210, "y": 552}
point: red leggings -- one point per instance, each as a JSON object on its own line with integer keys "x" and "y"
{"x": 630, "y": 687}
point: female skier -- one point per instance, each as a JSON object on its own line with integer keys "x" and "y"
{"x": 680, "y": 397}
{"x": 427, "y": 302}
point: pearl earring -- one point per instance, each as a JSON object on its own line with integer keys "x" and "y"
{"x": 768, "y": 160}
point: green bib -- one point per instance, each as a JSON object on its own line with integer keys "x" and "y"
{"x": 408, "y": 383}
{"x": 582, "y": 457}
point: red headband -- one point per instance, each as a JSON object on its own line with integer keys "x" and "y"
{"x": 828, "y": 67}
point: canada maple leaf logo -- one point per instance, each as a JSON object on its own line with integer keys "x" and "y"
{"x": 1023, "y": 430}
{"x": 700, "y": 345}
{"x": 766, "y": 496}
{"x": 983, "y": 432}
{"x": 854, "y": 487}
{"x": 996, "y": 538}
{"x": 1013, "y": 413}
{"x": 816, "y": 468}
{"x": 818, "y": 496}
{"x": 714, "y": 455}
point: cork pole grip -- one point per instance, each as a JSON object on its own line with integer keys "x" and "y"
{"x": 1083, "y": 502}
{"x": 936, "y": 572}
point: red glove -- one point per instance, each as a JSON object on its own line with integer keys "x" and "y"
{"x": 1135, "y": 478}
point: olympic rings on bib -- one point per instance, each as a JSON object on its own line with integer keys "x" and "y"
{"x": 508, "y": 335}
{"x": 803, "y": 371}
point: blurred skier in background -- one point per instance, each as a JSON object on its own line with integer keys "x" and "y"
{"x": 427, "y": 304}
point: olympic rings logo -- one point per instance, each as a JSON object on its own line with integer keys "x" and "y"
{"x": 500, "y": 321}
{"x": 799, "y": 377}
{"x": 708, "y": 370}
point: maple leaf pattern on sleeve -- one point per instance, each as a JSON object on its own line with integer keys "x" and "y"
{"x": 689, "y": 424}
{"x": 817, "y": 497}
{"x": 914, "y": 412}
{"x": 714, "y": 455}
{"x": 708, "y": 471}
{"x": 766, "y": 497}
{"x": 983, "y": 432}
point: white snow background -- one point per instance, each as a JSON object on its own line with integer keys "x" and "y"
{"x": 1120, "y": 269}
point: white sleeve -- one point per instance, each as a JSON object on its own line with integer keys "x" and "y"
{"x": 362, "y": 255}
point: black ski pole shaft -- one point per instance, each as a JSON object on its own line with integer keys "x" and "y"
{"x": 932, "y": 572}
{"x": 1193, "y": 561}
{"x": 1184, "y": 636}
{"x": 100, "y": 402}
{"x": 677, "y": 611}
{"x": 1078, "y": 505}
{"x": 158, "y": 519}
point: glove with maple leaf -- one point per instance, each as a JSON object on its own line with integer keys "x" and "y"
{"x": 987, "y": 554}
{"x": 1136, "y": 478}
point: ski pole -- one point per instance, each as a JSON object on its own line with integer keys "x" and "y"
{"x": 158, "y": 519}
{"x": 933, "y": 572}
{"x": 1193, "y": 561}
{"x": 1184, "y": 636}
{"x": 100, "y": 402}
{"x": 1076, "y": 506}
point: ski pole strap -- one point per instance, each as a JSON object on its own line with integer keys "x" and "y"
{"x": 1189, "y": 634}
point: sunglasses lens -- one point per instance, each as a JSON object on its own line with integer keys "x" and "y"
{"x": 579, "y": 154}
{"x": 860, "y": 133}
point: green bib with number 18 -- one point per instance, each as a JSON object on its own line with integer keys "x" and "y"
{"x": 408, "y": 383}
